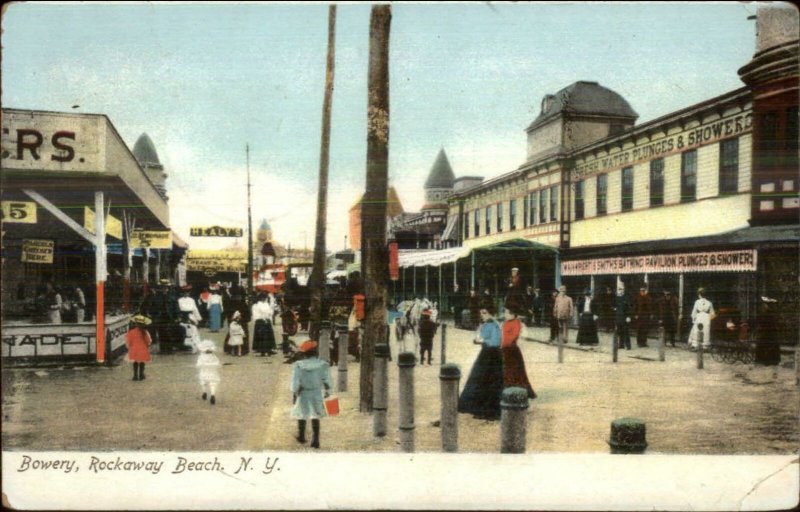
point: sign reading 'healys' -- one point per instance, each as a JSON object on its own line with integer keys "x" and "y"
{"x": 720, "y": 261}
{"x": 215, "y": 231}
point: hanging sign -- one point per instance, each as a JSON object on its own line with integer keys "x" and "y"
{"x": 394, "y": 262}
{"x": 37, "y": 251}
{"x": 113, "y": 225}
{"x": 718, "y": 261}
{"x": 19, "y": 212}
{"x": 216, "y": 231}
{"x": 151, "y": 239}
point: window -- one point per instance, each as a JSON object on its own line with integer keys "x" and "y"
{"x": 477, "y": 222}
{"x": 729, "y": 166}
{"x": 488, "y": 219}
{"x": 657, "y": 182}
{"x": 627, "y": 189}
{"x": 524, "y": 211}
{"x": 512, "y": 215}
{"x": 499, "y": 217}
{"x": 791, "y": 128}
{"x": 688, "y": 176}
{"x": 579, "y": 200}
{"x": 532, "y": 210}
{"x": 466, "y": 225}
{"x": 554, "y": 203}
{"x": 543, "y": 206}
{"x": 602, "y": 193}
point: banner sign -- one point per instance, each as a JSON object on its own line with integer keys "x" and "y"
{"x": 152, "y": 239}
{"x": 37, "y": 251}
{"x": 113, "y": 225}
{"x": 216, "y": 265}
{"x": 216, "y": 231}
{"x": 719, "y": 261}
{"x": 216, "y": 254}
{"x": 19, "y": 212}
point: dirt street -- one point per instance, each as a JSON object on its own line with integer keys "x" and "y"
{"x": 722, "y": 409}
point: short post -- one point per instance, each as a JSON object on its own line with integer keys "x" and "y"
{"x": 449, "y": 377}
{"x": 662, "y": 344}
{"x": 444, "y": 344}
{"x": 615, "y": 345}
{"x": 699, "y": 346}
{"x": 406, "y": 361}
{"x": 325, "y": 342}
{"x": 380, "y": 383}
{"x": 628, "y": 436}
{"x": 342, "y": 336}
{"x": 561, "y": 341}
{"x": 513, "y": 406}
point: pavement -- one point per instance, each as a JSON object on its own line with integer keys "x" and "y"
{"x": 721, "y": 409}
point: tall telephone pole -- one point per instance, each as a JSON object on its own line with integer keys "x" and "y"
{"x": 249, "y": 230}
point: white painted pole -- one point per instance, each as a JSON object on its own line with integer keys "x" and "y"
{"x": 100, "y": 274}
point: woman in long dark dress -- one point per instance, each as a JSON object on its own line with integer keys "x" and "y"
{"x": 263, "y": 334}
{"x": 588, "y": 312}
{"x": 514, "y": 374}
{"x": 482, "y": 392}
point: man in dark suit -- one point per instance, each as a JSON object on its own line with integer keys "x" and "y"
{"x": 668, "y": 316}
{"x": 622, "y": 317}
{"x": 643, "y": 313}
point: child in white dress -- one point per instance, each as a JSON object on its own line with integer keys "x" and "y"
{"x": 236, "y": 333}
{"x": 208, "y": 370}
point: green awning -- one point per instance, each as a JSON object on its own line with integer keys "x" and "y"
{"x": 517, "y": 244}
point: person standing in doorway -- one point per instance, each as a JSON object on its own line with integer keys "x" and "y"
{"x": 562, "y": 310}
{"x": 53, "y": 304}
{"x": 668, "y": 315}
{"x": 622, "y": 317}
{"x": 643, "y": 314}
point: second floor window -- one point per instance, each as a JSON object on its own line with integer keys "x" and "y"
{"x": 554, "y": 203}
{"x": 488, "y": 220}
{"x": 512, "y": 215}
{"x": 525, "y": 210}
{"x": 543, "y": 206}
{"x": 729, "y": 166}
{"x": 688, "y": 176}
{"x": 602, "y": 194}
{"x": 579, "y": 200}
{"x": 532, "y": 208}
{"x": 477, "y": 223}
{"x": 466, "y": 225}
{"x": 499, "y": 217}
{"x": 627, "y": 189}
{"x": 657, "y": 182}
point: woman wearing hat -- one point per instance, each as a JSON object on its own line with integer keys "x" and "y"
{"x": 138, "y": 342}
{"x": 481, "y": 394}
{"x": 588, "y": 313}
{"x": 514, "y": 374}
{"x": 263, "y": 335}
{"x": 427, "y": 330}
{"x": 309, "y": 376}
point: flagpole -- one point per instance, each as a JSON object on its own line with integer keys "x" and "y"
{"x": 249, "y": 230}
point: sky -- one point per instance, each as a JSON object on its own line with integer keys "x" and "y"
{"x": 204, "y": 80}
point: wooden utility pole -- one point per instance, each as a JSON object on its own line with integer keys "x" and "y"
{"x": 317, "y": 278}
{"x": 374, "y": 254}
{"x": 249, "y": 293}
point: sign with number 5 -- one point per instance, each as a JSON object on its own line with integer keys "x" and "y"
{"x": 19, "y": 211}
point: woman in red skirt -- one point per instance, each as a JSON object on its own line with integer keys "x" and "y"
{"x": 514, "y": 374}
{"x": 138, "y": 341}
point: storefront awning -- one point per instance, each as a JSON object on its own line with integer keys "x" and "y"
{"x": 517, "y": 244}
{"x": 435, "y": 258}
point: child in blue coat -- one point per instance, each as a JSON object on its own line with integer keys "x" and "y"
{"x": 309, "y": 376}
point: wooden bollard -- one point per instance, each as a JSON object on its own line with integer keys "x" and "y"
{"x": 444, "y": 344}
{"x": 380, "y": 383}
{"x": 662, "y": 344}
{"x": 449, "y": 377}
{"x": 615, "y": 346}
{"x": 343, "y": 341}
{"x": 513, "y": 424}
{"x": 699, "y": 346}
{"x": 325, "y": 342}
{"x": 406, "y": 361}
{"x": 628, "y": 435}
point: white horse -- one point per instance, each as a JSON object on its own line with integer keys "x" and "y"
{"x": 409, "y": 322}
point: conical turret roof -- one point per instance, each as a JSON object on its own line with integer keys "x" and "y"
{"x": 145, "y": 152}
{"x": 441, "y": 175}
